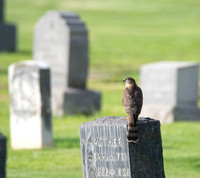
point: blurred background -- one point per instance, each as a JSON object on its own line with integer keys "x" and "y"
{"x": 123, "y": 35}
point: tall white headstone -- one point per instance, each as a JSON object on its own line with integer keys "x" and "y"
{"x": 30, "y": 107}
{"x": 61, "y": 40}
{"x": 170, "y": 91}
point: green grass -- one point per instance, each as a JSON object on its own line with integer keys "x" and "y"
{"x": 124, "y": 34}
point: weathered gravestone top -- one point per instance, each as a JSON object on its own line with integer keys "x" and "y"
{"x": 2, "y": 156}
{"x": 106, "y": 152}
{"x": 60, "y": 39}
{"x": 170, "y": 88}
{"x": 30, "y": 107}
{"x": 174, "y": 83}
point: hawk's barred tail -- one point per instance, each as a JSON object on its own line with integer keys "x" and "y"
{"x": 132, "y": 134}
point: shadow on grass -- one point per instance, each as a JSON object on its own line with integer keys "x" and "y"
{"x": 67, "y": 142}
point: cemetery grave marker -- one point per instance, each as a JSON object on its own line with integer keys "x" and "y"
{"x": 107, "y": 153}
{"x": 3, "y": 153}
{"x": 7, "y": 32}
{"x": 30, "y": 107}
{"x": 61, "y": 40}
{"x": 170, "y": 91}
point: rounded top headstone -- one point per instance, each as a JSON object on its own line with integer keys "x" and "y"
{"x": 61, "y": 19}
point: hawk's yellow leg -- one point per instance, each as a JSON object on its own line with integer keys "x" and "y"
{"x": 125, "y": 118}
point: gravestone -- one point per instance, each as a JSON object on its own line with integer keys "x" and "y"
{"x": 3, "y": 151}
{"x": 30, "y": 107}
{"x": 7, "y": 32}
{"x": 170, "y": 91}
{"x": 61, "y": 40}
{"x": 106, "y": 152}
{"x": 1, "y": 10}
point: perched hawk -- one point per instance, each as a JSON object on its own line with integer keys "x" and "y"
{"x": 132, "y": 101}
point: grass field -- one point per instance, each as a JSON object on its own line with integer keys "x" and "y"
{"x": 124, "y": 34}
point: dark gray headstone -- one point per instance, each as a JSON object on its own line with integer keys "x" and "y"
{"x": 61, "y": 40}
{"x": 1, "y": 10}
{"x": 7, "y": 33}
{"x": 106, "y": 152}
{"x": 7, "y": 37}
{"x": 3, "y": 151}
{"x": 30, "y": 106}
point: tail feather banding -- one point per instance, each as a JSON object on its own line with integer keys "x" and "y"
{"x": 132, "y": 133}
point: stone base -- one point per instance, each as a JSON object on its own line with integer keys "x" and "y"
{"x": 2, "y": 156}
{"x": 168, "y": 114}
{"x": 81, "y": 101}
{"x": 106, "y": 152}
{"x": 75, "y": 101}
{"x": 7, "y": 37}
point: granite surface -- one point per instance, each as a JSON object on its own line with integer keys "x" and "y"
{"x": 106, "y": 152}
{"x": 8, "y": 37}
{"x": 2, "y": 156}
{"x": 1, "y": 10}
{"x": 81, "y": 101}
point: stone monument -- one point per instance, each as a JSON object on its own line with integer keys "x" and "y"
{"x": 2, "y": 156}
{"x": 7, "y": 32}
{"x": 170, "y": 91}
{"x": 61, "y": 40}
{"x": 106, "y": 152}
{"x": 30, "y": 107}
{"x": 1, "y": 10}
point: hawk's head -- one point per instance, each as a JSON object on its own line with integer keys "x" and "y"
{"x": 129, "y": 81}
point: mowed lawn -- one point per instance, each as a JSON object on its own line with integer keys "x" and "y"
{"x": 124, "y": 34}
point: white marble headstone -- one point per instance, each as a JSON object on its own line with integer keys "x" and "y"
{"x": 169, "y": 87}
{"x": 30, "y": 107}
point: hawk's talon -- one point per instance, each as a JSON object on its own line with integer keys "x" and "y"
{"x": 125, "y": 118}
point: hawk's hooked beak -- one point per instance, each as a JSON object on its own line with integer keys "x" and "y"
{"x": 124, "y": 80}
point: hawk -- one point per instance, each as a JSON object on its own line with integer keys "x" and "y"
{"x": 132, "y": 101}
